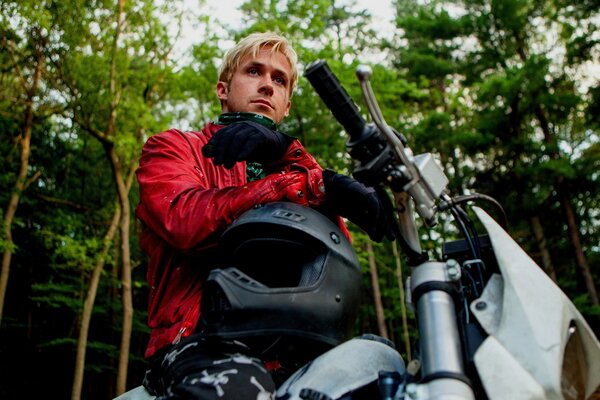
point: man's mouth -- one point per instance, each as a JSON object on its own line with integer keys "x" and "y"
{"x": 263, "y": 102}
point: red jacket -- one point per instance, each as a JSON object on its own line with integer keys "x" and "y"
{"x": 185, "y": 204}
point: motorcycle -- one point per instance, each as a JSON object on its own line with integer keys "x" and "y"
{"x": 491, "y": 324}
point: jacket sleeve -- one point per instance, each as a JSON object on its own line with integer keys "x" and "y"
{"x": 297, "y": 158}
{"x": 179, "y": 204}
{"x": 295, "y": 154}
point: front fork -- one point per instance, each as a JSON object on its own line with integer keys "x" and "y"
{"x": 433, "y": 287}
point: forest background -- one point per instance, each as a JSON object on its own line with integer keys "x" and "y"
{"x": 504, "y": 93}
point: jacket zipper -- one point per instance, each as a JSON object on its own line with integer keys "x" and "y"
{"x": 185, "y": 326}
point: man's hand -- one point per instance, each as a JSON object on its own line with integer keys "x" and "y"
{"x": 360, "y": 204}
{"x": 246, "y": 141}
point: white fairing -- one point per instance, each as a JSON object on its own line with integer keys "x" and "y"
{"x": 527, "y": 318}
{"x": 138, "y": 393}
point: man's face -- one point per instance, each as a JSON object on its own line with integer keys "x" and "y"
{"x": 260, "y": 85}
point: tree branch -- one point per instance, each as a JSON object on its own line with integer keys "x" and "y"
{"x": 32, "y": 179}
{"x": 11, "y": 51}
{"x": 61, "y": 202}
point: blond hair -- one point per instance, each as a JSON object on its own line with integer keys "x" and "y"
{"x": 252, "y": 45}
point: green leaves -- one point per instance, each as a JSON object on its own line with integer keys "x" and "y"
{"x": 55, "y": 295}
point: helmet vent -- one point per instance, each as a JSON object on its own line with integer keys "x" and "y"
{"x": 243, "y": 278}
{"x": 289, "y": 215}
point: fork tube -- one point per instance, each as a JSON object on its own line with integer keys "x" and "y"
{"x": 433, "y": 285}
{"x": 440, "y": 342}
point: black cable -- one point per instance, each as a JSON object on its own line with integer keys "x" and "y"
{"x": 461, "y": 225}
{"x": 471, "y": 228}
{"x": 473, "y": 281}
{"x": 474, "y": 197}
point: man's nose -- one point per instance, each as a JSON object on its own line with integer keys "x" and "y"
{"x": 266, "y": 86}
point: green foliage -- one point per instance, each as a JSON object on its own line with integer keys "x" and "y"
{"x": 55, "y": 296}
{"x": 582, "y": 302}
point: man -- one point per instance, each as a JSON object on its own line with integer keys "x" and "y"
{"x": 194, "y": 184}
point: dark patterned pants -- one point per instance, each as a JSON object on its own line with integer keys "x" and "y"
{"x": 199, "y": 368}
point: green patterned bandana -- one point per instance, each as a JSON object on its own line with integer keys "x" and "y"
{"x": 254, "y": 170}
{"x": 230, "y": 118}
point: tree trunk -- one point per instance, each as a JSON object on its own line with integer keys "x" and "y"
{"x": 21, "y": 182}
{"x": 127, "y": 304}
{"x": 127, "y": 297}
{"x": 123, "y": 192}
{"x": 402, "y": 301}
{"x": 540, "y": 238}
{"x": 376, "y": 292}
{"x": 89, "y": 305}
{"x": 578, "y": 249}
{"x": 568, "y": 208}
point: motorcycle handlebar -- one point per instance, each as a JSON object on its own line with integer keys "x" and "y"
{"x": 336, "y": 98}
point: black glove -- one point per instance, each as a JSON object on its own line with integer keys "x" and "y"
{"x": 246, "y": 140}
{"x": 362, "y": 205}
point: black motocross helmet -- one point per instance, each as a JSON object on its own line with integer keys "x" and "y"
{"x": 289, "y": 272}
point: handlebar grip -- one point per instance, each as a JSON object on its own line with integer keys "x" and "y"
{"x": 335, "y": 98}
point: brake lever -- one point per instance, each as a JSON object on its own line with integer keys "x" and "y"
{"x": 425, "y": 179}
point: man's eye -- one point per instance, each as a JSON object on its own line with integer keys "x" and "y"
{"x": 279, "y": 80}
{"x": 253, "y": 71}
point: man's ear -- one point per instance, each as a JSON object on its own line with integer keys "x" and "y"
{"x": 287, "y": 108}
{"x": 222, "y": 91}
